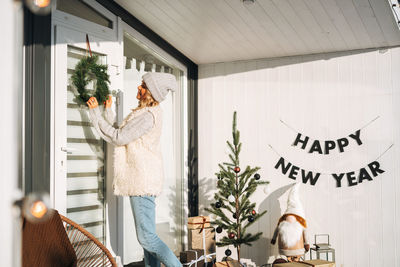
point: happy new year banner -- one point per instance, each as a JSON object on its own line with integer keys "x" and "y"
{"x": 313, "y": 145}
{"x": 292, "y": 171}
{"x": 324, "y": 147}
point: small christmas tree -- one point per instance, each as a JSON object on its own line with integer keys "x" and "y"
{"x": 233, "y": 209}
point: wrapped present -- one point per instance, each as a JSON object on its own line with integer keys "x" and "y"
{"x": 199, "y": 222}
{"x": 232, "y": 263}
{"x": 307, "y": 263}
{"x": 289, "y": 264}
{"x": 203, "y": 239}
{"x": 320, "y": 263}
{"x": 192, "y": 258}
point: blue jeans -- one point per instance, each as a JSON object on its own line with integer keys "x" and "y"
{"x": 155, "y": 250}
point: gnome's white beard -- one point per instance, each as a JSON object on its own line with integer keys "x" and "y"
{"x": 290, "y": 233}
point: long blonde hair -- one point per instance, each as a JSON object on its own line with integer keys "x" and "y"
{"x": 146, "y": 100}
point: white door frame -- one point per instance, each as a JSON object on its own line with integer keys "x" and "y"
{"x": 71, "y": 30}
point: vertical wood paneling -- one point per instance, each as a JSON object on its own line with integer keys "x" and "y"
{"x": 395, "y": 55}
{"x": 374, "y": 218}
{"x": 387, "y": 189}
{"x": 325, "y": 97}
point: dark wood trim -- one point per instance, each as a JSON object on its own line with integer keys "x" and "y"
{"x": 193, "y": 178}
{"x": 192, "y": 69}
{"x": 37, "y": 45}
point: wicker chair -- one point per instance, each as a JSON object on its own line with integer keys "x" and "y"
{"x": 89, "y": 251}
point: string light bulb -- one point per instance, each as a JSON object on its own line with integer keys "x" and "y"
{"x": 36, "y": 207}
{"x": 39, "y": 7}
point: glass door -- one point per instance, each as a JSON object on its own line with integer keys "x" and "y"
{"x": 139, "y": 59}
{"x": 80, "y": 154}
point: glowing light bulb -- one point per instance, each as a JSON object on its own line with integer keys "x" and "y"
{"x": 38, "y": 209}
{"x": 42, "y": 3}
{"x": 39, "y": 7}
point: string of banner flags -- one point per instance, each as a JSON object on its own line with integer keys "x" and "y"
{"x": 367, "y": 172}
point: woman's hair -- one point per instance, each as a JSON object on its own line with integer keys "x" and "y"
{"x": 147, "y": 99}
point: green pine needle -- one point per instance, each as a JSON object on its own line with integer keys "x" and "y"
{"x": 87, "y": 70}
{"x": 241, "y": 186}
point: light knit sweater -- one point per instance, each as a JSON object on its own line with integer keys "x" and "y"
{"x": 138, "y": 165}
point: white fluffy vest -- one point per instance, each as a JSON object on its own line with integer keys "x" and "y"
{"x": 138, "y": 166}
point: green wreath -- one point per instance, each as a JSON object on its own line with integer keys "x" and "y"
{"x": 87, "y": 70}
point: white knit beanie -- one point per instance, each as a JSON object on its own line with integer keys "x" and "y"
{"x": 159, "y": 84}
{"x": 293, "y": 203}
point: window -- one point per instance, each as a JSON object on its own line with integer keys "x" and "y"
{"x": 82, "y": 10}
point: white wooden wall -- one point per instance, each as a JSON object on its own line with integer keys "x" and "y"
{"x": 325, "y": 96}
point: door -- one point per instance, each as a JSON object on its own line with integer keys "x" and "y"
{"x": 141, "y": 57}
{"x": 79, "y": 153}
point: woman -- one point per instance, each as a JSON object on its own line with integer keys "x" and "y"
{"x": 138, "y": 167}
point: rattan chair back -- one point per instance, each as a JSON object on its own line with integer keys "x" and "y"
{"x": 89, "y": 251}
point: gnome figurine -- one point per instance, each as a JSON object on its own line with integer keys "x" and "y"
{"x": 292, "y": 228}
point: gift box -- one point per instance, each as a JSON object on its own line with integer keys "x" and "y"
{"x": 312, "y": 263}
{"x": 199, "y": 222}
{"x": 192, "y": 258}
{"x": 202, "y": 239}
{"x": 320, "y": 263}
{"x": 232, "y": 263}
{"x": 290, "y": 264}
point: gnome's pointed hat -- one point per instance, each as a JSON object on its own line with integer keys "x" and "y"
{"x": 293, "y": 203}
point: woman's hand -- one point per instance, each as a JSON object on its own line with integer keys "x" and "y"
{"x": 108, "y": 102}
{"x": 92, "y": 102}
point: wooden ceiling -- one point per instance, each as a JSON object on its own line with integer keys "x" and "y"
{"x": 209, "y": 31}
